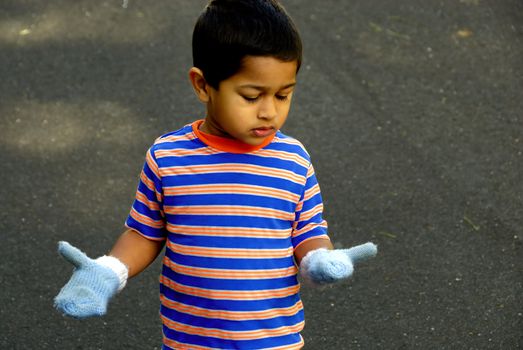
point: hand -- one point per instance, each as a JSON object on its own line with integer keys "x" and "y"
{"x": 90, "y": 288}
{"x": 323, "y": 266}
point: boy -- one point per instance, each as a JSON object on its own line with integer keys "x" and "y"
{"x": 234, "y": 201}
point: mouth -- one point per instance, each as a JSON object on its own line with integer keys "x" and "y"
{"x": 263, "y": 131}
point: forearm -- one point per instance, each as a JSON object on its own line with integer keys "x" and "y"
{"x": 136, "y": 251}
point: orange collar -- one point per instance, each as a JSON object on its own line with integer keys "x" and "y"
{"x": 226, "y": 144}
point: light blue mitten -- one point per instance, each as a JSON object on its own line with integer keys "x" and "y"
{"x": 322, "y": 266}
{"x": 92, "y": 285}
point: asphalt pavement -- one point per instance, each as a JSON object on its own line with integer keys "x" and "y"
{"x": 412, "y": 112}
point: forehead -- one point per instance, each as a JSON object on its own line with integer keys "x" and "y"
{"x": 267, "y": 72}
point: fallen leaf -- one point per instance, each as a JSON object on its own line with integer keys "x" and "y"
{"x": 464, "y": 33}
{"x": 376, "y": 27}
{"x": 25, "y": 32}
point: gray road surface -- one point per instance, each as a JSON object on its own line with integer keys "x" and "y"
{"x": 412, "y": 112}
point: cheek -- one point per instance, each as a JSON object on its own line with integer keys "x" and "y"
{"x": 234, "y": 112}
{"x": 226, "y": 107}
{"x": 284, "y": 110}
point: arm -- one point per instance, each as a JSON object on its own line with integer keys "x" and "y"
{"x": 95, "y": 282}
{"x": 314, "y": 253}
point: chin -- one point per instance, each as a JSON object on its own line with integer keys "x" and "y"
{"x": 253, "y": 142}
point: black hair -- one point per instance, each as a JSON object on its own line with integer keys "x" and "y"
{"x": 229, "y": 30}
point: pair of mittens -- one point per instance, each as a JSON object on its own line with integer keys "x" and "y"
{"x": 95, "y": 282}
{"x": 322, "y": 266}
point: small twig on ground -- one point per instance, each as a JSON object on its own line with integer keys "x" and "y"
{"x": 473, "y": 225}
{"x": 388, "y": 234}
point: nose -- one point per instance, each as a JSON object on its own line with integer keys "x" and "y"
{"x": 268, "y": 109}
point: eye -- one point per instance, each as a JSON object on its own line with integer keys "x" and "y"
{"x": 282, "y": 97}
{"x": 251, "y": 99}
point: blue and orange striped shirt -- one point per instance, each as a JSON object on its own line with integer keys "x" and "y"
{"x": 231, "y": 215}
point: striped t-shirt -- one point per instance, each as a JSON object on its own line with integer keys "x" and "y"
{"x": 231, "y": 215}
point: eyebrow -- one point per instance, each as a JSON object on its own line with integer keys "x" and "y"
{"x": 264, "y": 88}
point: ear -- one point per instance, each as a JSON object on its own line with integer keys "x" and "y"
{"x": 199, "y": 84}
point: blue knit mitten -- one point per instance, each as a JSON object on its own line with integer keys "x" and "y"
{"x": 92, "y": 285}
{"x": 323, "y": 266}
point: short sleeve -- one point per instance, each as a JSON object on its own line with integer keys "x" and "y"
{"x": 146, "y": 216}
{"x": 309, "y": 223}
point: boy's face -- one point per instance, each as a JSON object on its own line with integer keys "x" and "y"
{"x": 254, "y": 103}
